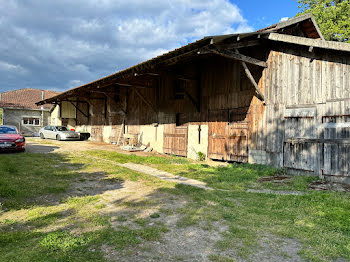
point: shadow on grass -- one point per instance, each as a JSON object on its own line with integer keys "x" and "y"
{"x": 319, "y": 220}
{"x": 32, "y": 179}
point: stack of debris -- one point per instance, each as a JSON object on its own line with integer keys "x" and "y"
{"x": 132, "y": 143}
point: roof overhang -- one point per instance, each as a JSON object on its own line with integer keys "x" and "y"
{"x": 281, "y": 32}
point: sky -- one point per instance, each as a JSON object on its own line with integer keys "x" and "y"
{"x": 58, "y": 45}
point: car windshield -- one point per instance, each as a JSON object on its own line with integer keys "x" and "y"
{"x": 8, "y": 130}
{"x": 61, "y": 128}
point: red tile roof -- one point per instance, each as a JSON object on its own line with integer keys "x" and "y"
{"x": 26, "y": 98}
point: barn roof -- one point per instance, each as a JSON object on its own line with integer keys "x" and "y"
{"x": 301, "y": 30}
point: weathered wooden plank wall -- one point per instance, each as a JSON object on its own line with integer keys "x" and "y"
{"x": 304, "y": 91}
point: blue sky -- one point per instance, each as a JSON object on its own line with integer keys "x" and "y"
{"x": 260, "y": 13}
{"x": 59, "y": 45}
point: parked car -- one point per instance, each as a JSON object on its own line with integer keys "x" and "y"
{"x": 59, "y": 133}
{"x": 11, "y": 139}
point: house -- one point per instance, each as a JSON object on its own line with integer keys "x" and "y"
{"x": 278, "y": 96}
{"x": 19, "y": 109}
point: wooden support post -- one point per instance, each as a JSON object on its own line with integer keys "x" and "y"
{"x": 259, "y": 94}
{"x": 105, "y": 106}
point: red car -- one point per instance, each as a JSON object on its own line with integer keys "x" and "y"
{"x": 11, "y": 139}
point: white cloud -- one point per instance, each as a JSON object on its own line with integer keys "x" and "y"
{"x": 8, "y": 68}
{"x": 59, "y": 42}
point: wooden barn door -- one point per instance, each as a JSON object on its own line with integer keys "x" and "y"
{"x": 336, "y": 148}
{"x": 218, "y": 124}
{"x": 228, "y": 135}
{"x": 176, "y": 136}
{"x": 299, "y": 150}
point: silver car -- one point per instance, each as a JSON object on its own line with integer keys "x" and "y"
{"x": 58, "y": 132}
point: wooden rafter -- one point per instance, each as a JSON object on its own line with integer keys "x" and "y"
{"x": 240, "y": 44}
{"x": 259, "y": 94}
{"x": 236, "y": 56}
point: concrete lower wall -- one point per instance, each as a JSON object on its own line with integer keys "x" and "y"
{"x": 196, "y": 145}
{"x": 257, "y": 157}
{"x": 151, "y": 135}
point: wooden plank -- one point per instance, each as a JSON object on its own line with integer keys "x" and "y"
{"x": 121, "y": 130}
{"x": 331, "y": 45}
{"x": 241, "y": 44}
{"x": 251, "y": 78}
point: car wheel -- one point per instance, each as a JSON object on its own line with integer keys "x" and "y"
{"x": 58, "y": 138}
{"x": 42, "y": 136}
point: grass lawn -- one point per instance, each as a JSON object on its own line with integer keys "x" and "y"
{"x": 65, "y": 207}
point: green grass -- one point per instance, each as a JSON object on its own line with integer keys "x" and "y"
{"x": 320, "y": 221}
{"x": 26, "y": 177}
{"x": 42, "y": 220}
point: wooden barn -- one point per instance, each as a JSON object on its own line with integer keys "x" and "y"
{"x": 278, "y": 96}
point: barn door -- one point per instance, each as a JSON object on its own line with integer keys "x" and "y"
{"x": 218, "y": 120}
{"x": 228, "y": 135}
{"x": 336, "y": 148}
{"x": 96, "y": 134}
{"x": 175, "y": 136}
{"x": 299, "y": 150}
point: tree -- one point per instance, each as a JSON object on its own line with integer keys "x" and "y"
{"x": 332, "y": 16}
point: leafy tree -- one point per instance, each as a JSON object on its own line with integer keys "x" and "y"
{"x": 332, "y": 16}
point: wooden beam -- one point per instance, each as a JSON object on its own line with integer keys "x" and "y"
{"x": 236, "y": 56}
{"x": 185, "y": 78}
{"x": 144, "y": 100}
{"x": 76, "y": 101}
{"x": 259, "y": 94}
{"x": 131, "y": 85}
{"x": 297, "y": 40}
{"x": 194, "y": 102}
{"x": 121, "y": 130}
{"x": 105, "y": 105}
{"x": 78, "y": 109}
{"x": 240, "y": 44}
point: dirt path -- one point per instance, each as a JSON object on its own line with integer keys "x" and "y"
{"x": 37, "y": 145}
{"x": 52, "y": 146}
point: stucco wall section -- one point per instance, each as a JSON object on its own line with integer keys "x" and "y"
{"x": 158, "y": 145}
{"x": 14, "y": 117}
{"x": 106, "y": 132}
{"x": 68, "y": 110}
{"x": 193, "y": 141}
{"x": 55, "y": 116}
